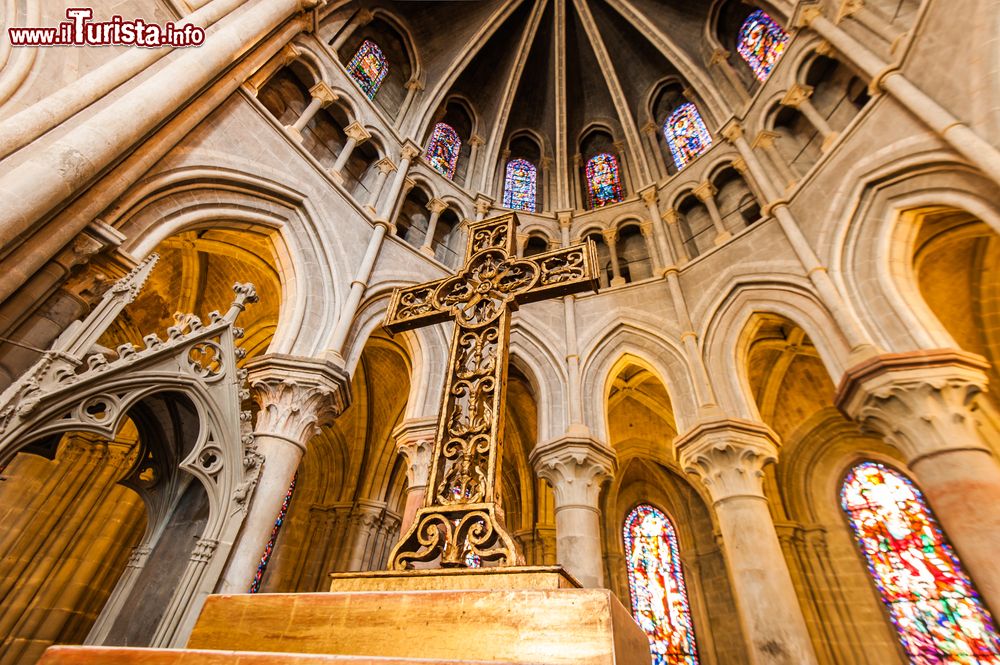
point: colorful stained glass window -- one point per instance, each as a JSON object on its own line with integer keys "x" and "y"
{"x": 275, "y": 530}
{"x": 686, "y": 134}
{"x": 519, "y": 185}
{"x": 442, "y": 151}
{"x": 656, "y": 583}
{"x": 761, "y": 43}
{"x": 932, "y": 603}
{"x": 368, "y": 67}
{"x": 604, "y": 181}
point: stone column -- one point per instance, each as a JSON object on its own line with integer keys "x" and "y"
{"x": 356, "y": 135}
{"x": 672, "y": 218}
{"x": 483, "y": 205}
{"x": 797, "y": 97}
{"x": 611, "y": 240}
{"x": 728, "y": 456}
{"x": 576, "y": 468}
{"x": 322, "y": 96}
{"x": 646, "y": 229}
{"x": 413, "y": 87}
{"x": 924, "y": 404}
{"x": 436, "y": 206}
{"x": 409, "y": 152}
{"x": 657, "y": 242}
{"x": 748, "y": 177}
{"x": 475, "y": 143}
{"x": 260, "y": 77}
{"x": 296, "y": 396}
{"x": 385, "y": 166}
{"x": 706, "y": 192}
{"x": 415, "y": 442}
{"x": 359, "y": 20}
{"x": 856, "y": 10}
{"x": 365, "y": 522}
{"x": 577, "y": 175}
{"x": 720, "y": 60}
{"x": 765, "y": 141}
{"x": 651, "y": 130}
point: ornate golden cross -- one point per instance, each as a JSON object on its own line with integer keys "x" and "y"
{"x": 461, "y": 521}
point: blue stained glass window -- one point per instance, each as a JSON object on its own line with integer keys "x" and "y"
{"x": 936, "y": 611}
{"x": 686, "y": 134}
{"x": 368, "y": 67}
{"x": 443, "y": 149}
{"x": 656, "y": 585}
{"x": 520, "y": 185}
{"x": 761, "y": 42}
{"x": 604, "y": 182}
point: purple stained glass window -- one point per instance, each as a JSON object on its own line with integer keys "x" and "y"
{"x": 368, "y": 67}
{"x": 761, "y": 42}
{"x": 520, "y": 185}
{"x": 937, "y": 613}
{"x": 656, "y": 585}
{"x": 604, "y": 182}
{"x": 443, "y": 149}
{"x": 686, "y": 134}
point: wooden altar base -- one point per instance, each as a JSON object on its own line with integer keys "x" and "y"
{"x": 501, "y": 615}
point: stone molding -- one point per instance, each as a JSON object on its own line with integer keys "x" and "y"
{"x": 729, "y": 456}
{"x": 576, "y": 468}
{"x": 296, "y": 395}
{"x": 922, "y": 402}
{"x": 415, "y": 442}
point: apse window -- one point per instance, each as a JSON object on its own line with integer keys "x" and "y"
{"x": 656, "y": 586}
{"x": 761, "y": 42}
{"x": 686, "y": 134}
{"x": 604, "y": 182}
{"x": 368, "y": 68}
{"x": 932, "y": 603}
{"x": 520, "y": 184}
{"x": 443, "y": 150}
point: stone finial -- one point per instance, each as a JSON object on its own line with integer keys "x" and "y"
{"x": 728, "y": 455}
{"x": 576, "y": 468}
{"x": 921, "y": 402}
{"x": 296, "y": 395}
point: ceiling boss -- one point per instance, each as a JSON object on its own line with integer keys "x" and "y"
{"x": 461, "y": 521}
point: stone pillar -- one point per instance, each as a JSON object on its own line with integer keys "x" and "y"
{"x": 576, "y": 468}
{"x": 659, "y": 249}
{"x": 672, "y": 218}
{"x": 415, "y": 442}
{"x": 577, "y": 175}
{"x": 651, "y": 130}
{"x": 296, "y": 396}
{"x": 706, "y": 192}
{"x": 359, "y": 20}
{"x": 728, "y": 456}
{"x": 413, "y": 87}
{"x": 797, "y": 97}
{"x": 611, "y": 240}
{"x": 483, "y": 205}
{"x": 436, "y": 206}
{"x": 720, "y": 60}
{"x": 385, "y": 167}
{"x": 748, "y": 177}
{"x": 260, "y": 77}
{"x": 322, "y": 96}
{"x": 924, "y": 403}
{"x": 365, "y": 523}
{"x": 856, "y": 10}
{"x": 356, "y": 135}
{"x": 646, "y": 229}
{"x": 407, "y": 154}
{"x": 765, "y": 141}
{"x": 475, "y": 143}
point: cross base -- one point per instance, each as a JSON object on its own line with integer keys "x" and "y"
{"x": 466, "y": 535}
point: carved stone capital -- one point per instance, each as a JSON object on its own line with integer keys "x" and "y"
{"x": 705, "y": 191}
{"x": 806, "y": 13}
{"x": 796, "y": 94}
{"x": 409, "y": 151}
{"x": 729, "y": 456}
{"x": 565, "y": 218}
{"x": 296, "y": 395}
{"x": 483, "y": 204}
{"x": 719, "y": 55}
{"x": 364, "y": 17}
{"x": 650, "y": 127}
{"x": 732, "y": 131}
{"x": 610, "y": 236}
{"x": 323, "y": 93}
{"x": 576, "y": 468}
{"x": 414, "y": 85}
{"x": 437, "y": 205}
{"x": 848, "y": 8}
{"x": 476, "y": 140}
{"x": 740, "y": 166}
{"x": 765, "y": 139}
{"x": 356, "y": 131}
{"x": 415, "y": 442}
{"x": 649, "y": 196}
{"x": 921, "y": 402}
{"x": 385, "y": 166}
{"x": 671, "y": 216}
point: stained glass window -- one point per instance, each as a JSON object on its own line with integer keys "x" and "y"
{"x": 932, "y": 603}
{"x": 519, "y": 185}
{"x": 761, "y": 43}
{"x": 604, "y": 182}
{"x": 686, "y": 134}
{"x": 368, "y": 67}
{"x": 656, "y": 583}
{"x": 442, "y": 151}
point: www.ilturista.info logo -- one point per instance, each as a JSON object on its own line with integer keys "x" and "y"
{"x": 79, "y": 30}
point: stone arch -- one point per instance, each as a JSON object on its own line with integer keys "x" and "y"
{"x": 161, "y": 207}
{"x": 539, "y": 360}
